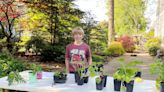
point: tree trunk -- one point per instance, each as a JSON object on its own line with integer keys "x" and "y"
{"x": 111, "y": 22}
{"x": 9, "y": 44}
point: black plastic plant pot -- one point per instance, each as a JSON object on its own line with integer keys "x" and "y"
{"x": 85, "y": 79}
{"x": 104, "y": 80}
{"x": 59, "y": 79}
{"x": 138, "y": 74}
{"x": 99, "y": 86}
{"x": 80, "y": 81}
{"x": 129, "y": 86}
{"x": 117, "y": 85}
{"x": 76, "y": 76}
{"x": 162, "y": 86}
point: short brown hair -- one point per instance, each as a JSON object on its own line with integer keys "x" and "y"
{"x": 77, "y": 30}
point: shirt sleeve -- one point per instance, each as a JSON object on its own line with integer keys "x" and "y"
{"x": 67, "y": 55}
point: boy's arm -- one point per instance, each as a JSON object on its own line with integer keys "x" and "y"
{"x": 90, "y": 60}
{"x": 89, "y": 56}
{"x": 67, "y": 65}
{"x": 67, "y": 59}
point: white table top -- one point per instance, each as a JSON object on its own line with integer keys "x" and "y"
{"x": 45, "y": 85}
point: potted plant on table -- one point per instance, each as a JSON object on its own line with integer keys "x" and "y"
{"x": 125, "y": 75}
{"x": 35, "y": 73}
{"x": 99, "y": 83}
{"x": 80, "y": 76}
{"x": 158, "y": 68}
{"x": 81, "y": 72}
{"x": 101, "y": 77}
{"x": 60, "y": 77}
{"x": 39, "y": 72}
{"x": 14, "y": 76}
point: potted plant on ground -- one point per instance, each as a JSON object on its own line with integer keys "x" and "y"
{"x": 125, "y": 74}
{"x": 60, "y": 77}
{"x": 158, "y": 68}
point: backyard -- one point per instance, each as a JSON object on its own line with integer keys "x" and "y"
{"x": 123, "y": 38}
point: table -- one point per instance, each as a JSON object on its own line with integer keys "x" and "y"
{"x": 46, "y": 85}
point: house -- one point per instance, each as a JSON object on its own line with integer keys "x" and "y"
{"x": 159, "y": 26}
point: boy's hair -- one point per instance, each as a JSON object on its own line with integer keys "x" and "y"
{"x": 77, "y": 30}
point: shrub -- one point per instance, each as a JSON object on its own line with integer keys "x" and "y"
{"x": 154, "y": 42}
{"x": 53, "y": 53}
{"x": 97, "y": 58}
{"x": 115, "y": 49}
{"x": 127, "y": 43}
{"x": 10, "y": 64}
{"x": 157, "y": 68}
{"x": 153, "y": 50}
{"x": 149, "y": 35}
{"x": 97, "y": 46}
{"x": 36, "y": 44}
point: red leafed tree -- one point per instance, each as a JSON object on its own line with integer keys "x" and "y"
{"x": 128, "y": 43}
{"x": 9, "y": 11}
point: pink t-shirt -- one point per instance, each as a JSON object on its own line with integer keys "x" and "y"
{"x": 77, "y": 53}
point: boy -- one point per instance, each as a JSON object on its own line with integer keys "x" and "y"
{"x": 77, "y": 51}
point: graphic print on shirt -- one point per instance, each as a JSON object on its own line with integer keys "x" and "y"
{"x": 77, "y": 55}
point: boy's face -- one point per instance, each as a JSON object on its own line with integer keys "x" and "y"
{"x": 78, "y": 36}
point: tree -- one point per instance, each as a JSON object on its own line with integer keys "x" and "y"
{"x": 88, "y": 24}
{"x": 129, "y": 17}
{"x": 111, "y": 21}
{"x": 52, "y": 21}
{"x": 62, "y": 17}
{"x": 99, "y": 37}
{"x": 9, "y": 11}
